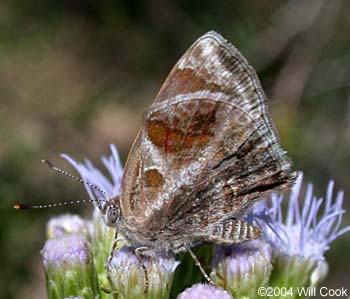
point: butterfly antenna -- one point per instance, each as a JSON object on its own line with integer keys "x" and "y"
{"x": 55, "y": 168}
{"x": 53, "y": 205}
{"x": 65, "y": 203}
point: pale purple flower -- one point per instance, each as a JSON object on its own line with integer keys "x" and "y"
{"x": 69, "y": 268}
{"x": 127, "y": 277}
{"x": 102, "y": 235}
{"x": 65, "y": 225}
{"x": 247, "y": 252}
{"x": 242, "y": 268}
{"x": 300, "y": 236}
{"x": 66, "y": 251}
{"x": 306, "y": 229}
{"x": 92, "y": 175}
{"x": 125, "y": 257}
{"x": 204, "y": 291}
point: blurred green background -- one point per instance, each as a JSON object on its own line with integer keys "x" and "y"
{"x": 76, "y": 76}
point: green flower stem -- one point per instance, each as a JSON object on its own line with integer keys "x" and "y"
{"x": 103, "y": 238}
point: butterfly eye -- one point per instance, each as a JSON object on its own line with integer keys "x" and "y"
{"x": 113, "y": 214}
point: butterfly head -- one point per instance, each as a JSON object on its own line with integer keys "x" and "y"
{"x": 110, "y": 210}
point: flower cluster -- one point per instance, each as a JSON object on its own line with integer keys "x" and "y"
{"x": 78, "y": 262}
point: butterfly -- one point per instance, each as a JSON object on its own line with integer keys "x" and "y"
{"x": 207, "y": 151}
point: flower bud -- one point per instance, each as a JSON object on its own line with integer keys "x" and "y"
{"x": 65, "y": 225}
{"x": 242, "y": 268}
{"x": 127, "y": 277}
{"x": 69, "y": 268}
{"x": 204, "y": 291}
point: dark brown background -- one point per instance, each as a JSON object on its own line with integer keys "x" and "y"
{"x": 77, "y": 75}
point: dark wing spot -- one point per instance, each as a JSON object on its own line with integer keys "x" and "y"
{"x": 157, "y": 132}
{"x": 153, "y": 178}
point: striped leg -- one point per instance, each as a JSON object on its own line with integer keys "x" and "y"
{"x": 139, "y": 251}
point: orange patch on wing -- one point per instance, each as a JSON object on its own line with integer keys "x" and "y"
{"x": 153, "y": 178}
{"x": 174, "y": 141}
{"x": 186, "y": 126}
{"x": 157, "y": 132}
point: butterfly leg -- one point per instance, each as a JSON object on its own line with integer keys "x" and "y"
{"x": 139, "y": 252}
{"x": 114, "y": 246}
{"x": 199, "y": 265}
{"x": 231, "y": 231}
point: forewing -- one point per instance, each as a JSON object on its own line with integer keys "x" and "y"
{"x": 207, "y": 146}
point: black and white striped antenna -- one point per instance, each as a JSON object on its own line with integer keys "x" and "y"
{"x": 59, "y": 204}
